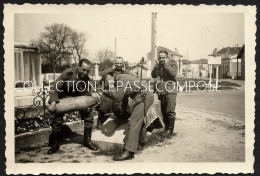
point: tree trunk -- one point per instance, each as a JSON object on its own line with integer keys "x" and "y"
{"x": 54, "y": 70}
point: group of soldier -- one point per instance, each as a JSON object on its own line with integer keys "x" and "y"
{"x": 117, "y": 102}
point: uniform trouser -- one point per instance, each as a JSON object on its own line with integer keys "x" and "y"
{"x": 168, "y": 103}
{"x": 136, "y": 123}
{"x": 85, "y": 114}
{"x": 143, "y": 134}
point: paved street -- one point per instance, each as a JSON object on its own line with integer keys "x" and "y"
{"x": 227, "y": 102}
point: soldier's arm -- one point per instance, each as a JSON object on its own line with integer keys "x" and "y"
{"x": 56, "y": 86}
{"x": 107, "y": 71}
{"x": 128, "y": 72}
{"x": 155, "y": 71}
{"x": 104, "y": 75}
{"x": 102, "y": 80}
{"x": 88, "y": 88}
{"x": 171, "y": 68}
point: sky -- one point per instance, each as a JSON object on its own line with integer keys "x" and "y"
{"x": 195, "y": 35}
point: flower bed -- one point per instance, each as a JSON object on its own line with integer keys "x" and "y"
{"x": 39, "y": 122}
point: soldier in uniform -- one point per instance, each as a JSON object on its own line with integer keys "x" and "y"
{"x": 65, "y": 86}
{"x": 167, "y": 71}
{"x": 140, "y": 107}
{"x": 106, "y": 104}
{"x": 119, "y": 69}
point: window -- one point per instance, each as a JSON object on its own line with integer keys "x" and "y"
{"x": 18, "y": 66}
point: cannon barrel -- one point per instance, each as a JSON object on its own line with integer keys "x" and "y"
{"x": 75, "y": 103}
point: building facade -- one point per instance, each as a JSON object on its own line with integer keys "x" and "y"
{"x": 230, "y": 67}
{"x": 27, "y": 70}
{"x": 241, "y": 56}
{"x": 27, "y": 61}
{"x": 195, "y": 69}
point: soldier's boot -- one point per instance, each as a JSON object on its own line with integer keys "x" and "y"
{"x": 170, "y": 127}
{"x": 87, "y": 139}
{"x": 102, "y": 118}
{"x": 125, "y": 155}
{"x": 54, "y": 142}
{"x": 51, "y": 140}
{"x": 166, "y": 124}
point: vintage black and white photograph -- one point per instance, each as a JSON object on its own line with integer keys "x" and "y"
{"x": 130, "y": 84}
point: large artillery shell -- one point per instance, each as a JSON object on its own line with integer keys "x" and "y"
{"x": 75, "y": 103}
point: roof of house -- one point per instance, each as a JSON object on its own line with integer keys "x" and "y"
{"x": 229, "y": 50}
{"x": 25, "y": 46}
{"x": 199, "y": 61}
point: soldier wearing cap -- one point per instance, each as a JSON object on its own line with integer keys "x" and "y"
{"x": 166, "y": 89}
{"x": 107, "y": 75}
{"x": 130, "y": 87}
{"x": 71, "y": 82}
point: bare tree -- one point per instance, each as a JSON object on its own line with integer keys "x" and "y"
{"x": 105, "y": 58}
{"x": 77, "y": 44}
{"x": 54, "y": 43}
{"x": 105, "y": 54}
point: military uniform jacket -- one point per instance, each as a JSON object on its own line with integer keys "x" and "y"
{"x": 167, "y": 72}
{"x": 128, "y": 81}
{"x": 112, "y": 72}
{"x": 64, "y": 85}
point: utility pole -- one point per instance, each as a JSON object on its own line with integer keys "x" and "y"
{"x": 154, "y": 39}
{"x": 179, "y": 64}
{"x": 188, "y": 64}
{"x": 115, "y": 47}
{"x": 237, "y": 67}
{"x": 192, "y": 68}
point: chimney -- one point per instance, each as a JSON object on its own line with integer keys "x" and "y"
{"x": 215, "y": 52}
{"x": 228, "y": 50}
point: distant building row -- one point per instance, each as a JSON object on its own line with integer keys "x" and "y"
{"x": 232, "y": 63}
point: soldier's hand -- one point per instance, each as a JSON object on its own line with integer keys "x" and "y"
{"x": 52, "y": 106}
{"x": 157, "y": 63}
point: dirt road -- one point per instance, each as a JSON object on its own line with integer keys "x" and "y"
{"x": 201, "y": 137}
{"x": 210, "y": 128}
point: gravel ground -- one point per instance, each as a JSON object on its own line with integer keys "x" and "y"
{"x": 201, "y": 137}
